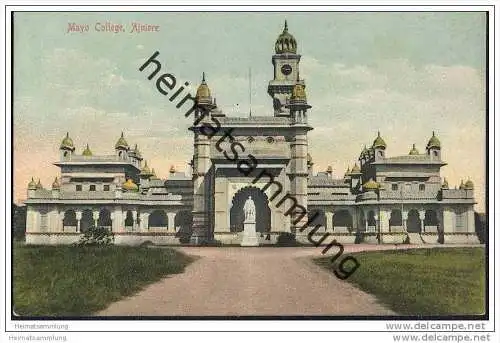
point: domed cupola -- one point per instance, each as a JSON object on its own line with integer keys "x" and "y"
{"x": 87, "y": 152}
{"x": 286, "y": 43}
{"x": 203, "y": 96}
{"x": 434, "y": 142}
{"x": 32, "y": 184}
{"x": 145, "y": 171}
{"x": 130, "y": 186}
{"x": 67, "y": 143}
{"x": 379, "y": 143}
{"x": 370, "y": 185}
{"x": 55, "y": 184}
{"x": 355, "y": 170}
{"x": 469, "y": 185}
{"x": 413, "y": 150}
{"x": 121, "y": 143}
{"x": 445, "y": 184}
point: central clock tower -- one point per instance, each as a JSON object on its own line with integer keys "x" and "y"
{"x": 286, "y": 72}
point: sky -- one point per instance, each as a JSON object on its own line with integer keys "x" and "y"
{"x": 403, "y": 74}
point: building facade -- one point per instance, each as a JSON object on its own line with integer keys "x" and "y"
{"x": 381, "y": 199}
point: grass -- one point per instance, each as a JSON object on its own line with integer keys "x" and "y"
{"x": 440, "y": 281}
{"x": 75, "y": 281}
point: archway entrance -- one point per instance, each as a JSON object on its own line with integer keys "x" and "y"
{"x": 413, "y": 224}
{"x": 87, "y": 221}
{"x": 262, "y": 210}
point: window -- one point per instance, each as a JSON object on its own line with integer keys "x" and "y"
{"x": 421, "y": 187}
{"x": 394, "y": 186}
{"x": 92, "y": 188}
{"x": 435, "y": 153}
{"x": 78, "y": 188}
{"x": 106, "y": 188}
{"x": 270, "y": 140}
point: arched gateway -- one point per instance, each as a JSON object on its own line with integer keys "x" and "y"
{"x": 262, "y": 210}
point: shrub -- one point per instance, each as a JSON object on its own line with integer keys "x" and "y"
{"x": 97, "y": 236}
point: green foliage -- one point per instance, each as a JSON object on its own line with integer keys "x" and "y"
{"x": 97, "y": 236}
{"x": 81, "y": 280}
{"x": 439, "y": 281}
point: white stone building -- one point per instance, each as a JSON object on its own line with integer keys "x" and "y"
{"x": 381, "y": 199}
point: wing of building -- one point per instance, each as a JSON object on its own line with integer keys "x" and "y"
{"x": 263, "y": 157}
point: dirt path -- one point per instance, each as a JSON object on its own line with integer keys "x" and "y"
{"x": 251, "y": 281}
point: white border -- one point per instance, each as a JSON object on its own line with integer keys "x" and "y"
{"x": 331, "y": 325}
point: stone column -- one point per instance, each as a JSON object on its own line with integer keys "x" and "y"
{"x": 95, "y": 216}
{"x": 448, "y": 216}
{"x": 404, "y": 216}
{"x": 117, "y": 220}
{"x": 134, "y": 220}
{"x": 384, "y": 220}
{"x": 171, "y": 221}
{"x": 60, "y": 224}
{"x": 201, "y": 166}
{"x": 78, "y": 220}
{"x": 329, "y": 221}
{"x": 298, "y": 178}
{"x": 31, "y": 223}
{"x": 471, "y": 224}
{"x": 421, "y": 215}
{"x": 144, "y": 221}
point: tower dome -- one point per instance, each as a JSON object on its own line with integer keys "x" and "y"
{"x": 285, "y": 43}
{"x": 434, "y": 142}
{"x": 329, "y": 169}
{"x": 121, "y": 143}
{"x": 39, "y": 185}
{"x": 203, "y": 92}
{"x": 87, "y": 151}
{"x": 172, "y": 169}
{"x": 363, "y": 153}
{"x": 469, "y": 184}
{"x": 67, "y": 143}
{"x": 379, "y": 142}
{"x": 309, "y": 159}
{"x": 413, "y": 150}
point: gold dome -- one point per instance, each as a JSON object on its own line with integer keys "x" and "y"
{"x": 86, "y": 151}
{"x": 434, "y": 142}
{"x": 445, "y": 184}
{"x": 413, "y": 151}
{"x": 55, "y": 184}
{"x": 356, "y": 169}
{"x": 121, "y": 143}
{"x": 203, "y": 92}
{"x": 130, "y": 185}
{"x": 370, "y": 185}
{"x": 67, "y": 143}
{"x": 348, "y": 171}
{"x": 469, "y": 185}
{"x": 379, "y": 142}
{"x": 329, "y": 169}
{"x": 172, "y": 169}
{"x": 299, "y": 92}
{"x": 32, "y": 184}
{"x": 285, "y": 43}
{"x": 39, "y": 185}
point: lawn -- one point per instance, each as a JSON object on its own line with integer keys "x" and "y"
{"x": 75, "y": 281}
{"x": 439, "y": 281}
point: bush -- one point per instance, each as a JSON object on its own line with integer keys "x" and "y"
{"x": 286, "y": 239}
{"x": 97, "y": 236}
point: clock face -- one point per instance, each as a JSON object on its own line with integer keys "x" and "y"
{"x": 286, "y": 69}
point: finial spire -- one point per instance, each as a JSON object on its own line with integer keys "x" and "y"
{"x": 286, "y": 26}
{"x": 203, "y": 77}
{"x": 122, "y": 134}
